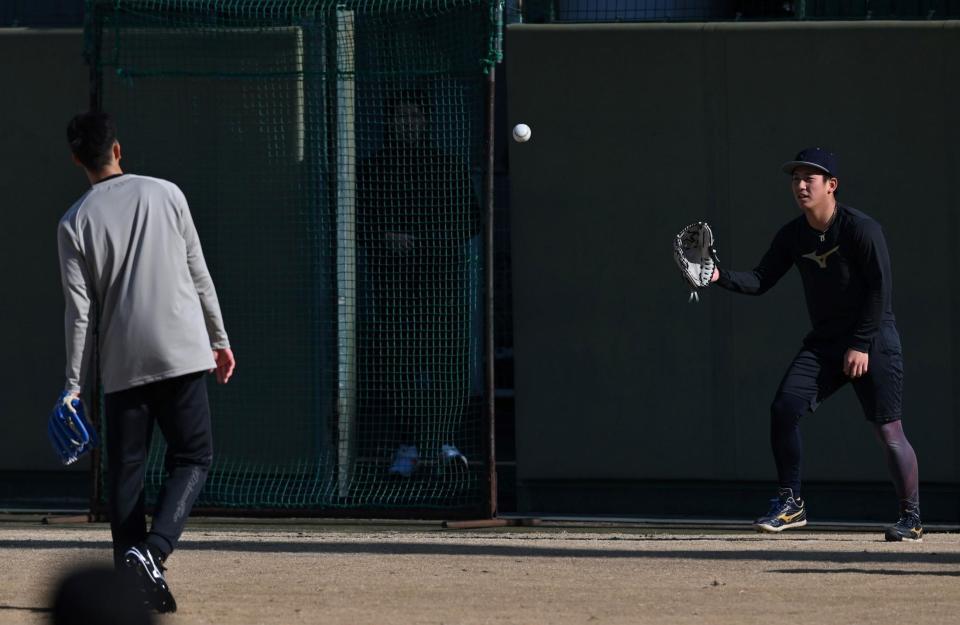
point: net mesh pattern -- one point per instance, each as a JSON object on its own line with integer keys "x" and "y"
{"x": 332, "y": 155}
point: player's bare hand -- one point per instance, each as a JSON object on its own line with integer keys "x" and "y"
{"x": 855, "y": 364}
{"x": 67, "y": 398}
{"x": 716, "y": 275}
{"x": 225, "y": 364}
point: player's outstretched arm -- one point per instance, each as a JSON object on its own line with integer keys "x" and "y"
{"x": 774, "y": 264}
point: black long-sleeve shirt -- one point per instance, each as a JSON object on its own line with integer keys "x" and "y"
{"x": 845, "y": 273}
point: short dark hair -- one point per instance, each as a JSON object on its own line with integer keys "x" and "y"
{"x": 410, "y": 96}
{"x": 91, "y": 136}
{"x": 827, "y": 176}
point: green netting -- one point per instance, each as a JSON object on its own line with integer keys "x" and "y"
{"x": 332, "y": 153}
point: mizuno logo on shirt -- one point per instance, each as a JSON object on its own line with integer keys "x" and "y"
{"x": 821, "y": 259}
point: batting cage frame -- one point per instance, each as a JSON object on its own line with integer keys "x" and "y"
{"x": 338, "y": 160}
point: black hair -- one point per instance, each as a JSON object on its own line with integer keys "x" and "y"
{"x": 410, "y": 96}
{"x": 91, "y": 136}
{"x": 827, "y": 177}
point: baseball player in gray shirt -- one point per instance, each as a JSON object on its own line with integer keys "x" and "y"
{"x": 132, "y": 269}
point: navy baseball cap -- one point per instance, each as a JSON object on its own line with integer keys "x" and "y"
{"x": 819, "y": 158}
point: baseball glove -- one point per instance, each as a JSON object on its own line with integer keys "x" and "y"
{"x": 695, "y": 255}
{"x": 70, "y": 433}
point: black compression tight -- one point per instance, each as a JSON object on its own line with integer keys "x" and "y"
{"x": 787, "y": 448}
{"x": 902, "y": 462}
{"x": 785, "y": 440}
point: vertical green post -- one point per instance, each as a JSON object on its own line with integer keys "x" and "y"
{"x": 346, "y": 251}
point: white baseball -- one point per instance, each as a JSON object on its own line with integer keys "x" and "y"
{"x": 521, "y": 133}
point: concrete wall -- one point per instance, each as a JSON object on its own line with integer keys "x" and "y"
{"x": 637, "y": 131}
{"x": 44, "y": 82}
{"x": 641, "y": 129}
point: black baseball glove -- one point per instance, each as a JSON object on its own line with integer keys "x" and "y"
{"x": 696, "y": 256}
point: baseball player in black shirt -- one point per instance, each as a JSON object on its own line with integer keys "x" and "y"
{"x": 843, "y": 261}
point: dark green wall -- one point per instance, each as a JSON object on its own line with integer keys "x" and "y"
{"x": 44, "y": 82}
{"x": 641, "y": 129}
{"x": 254, "y": 198}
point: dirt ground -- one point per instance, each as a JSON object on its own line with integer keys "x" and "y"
{"x": 393, "y": 574}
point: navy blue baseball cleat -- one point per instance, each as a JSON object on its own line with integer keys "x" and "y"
{"x": 405, "y": 460}
{"x": 449, "y": 454}
{"x": 148, "y": 569}
{"x": 785, "y": 513}
{"x": 908, "y": 528}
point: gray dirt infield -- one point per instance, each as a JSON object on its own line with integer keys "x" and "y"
{"x": 386, "y": 574}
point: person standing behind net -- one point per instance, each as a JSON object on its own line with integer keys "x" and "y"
{"x": 844, "y": 265}
{"x": 415, "y": 211}
{"x": 135, "y": 279}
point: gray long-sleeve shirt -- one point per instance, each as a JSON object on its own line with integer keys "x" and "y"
{"x": 130, "y": 254}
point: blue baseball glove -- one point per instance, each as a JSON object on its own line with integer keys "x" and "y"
{"x": 70, "y": 433}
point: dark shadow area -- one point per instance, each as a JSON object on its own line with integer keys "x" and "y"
{"x": 42, "y": 13}
{"x": 868, "y": 572}
{"x": 394, "y": 548}
{"x": 45, "y": 490}
{"x": 25, "y": 609}
{"x": 98, "y": 594}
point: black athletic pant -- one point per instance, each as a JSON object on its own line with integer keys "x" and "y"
{"x": 815, "y": 374}
{"x": 179, "y": 406}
